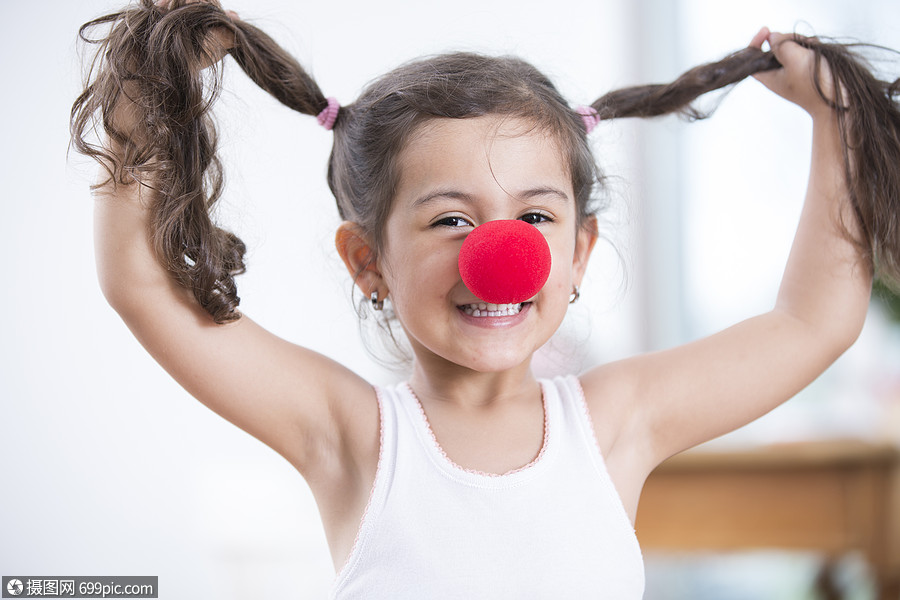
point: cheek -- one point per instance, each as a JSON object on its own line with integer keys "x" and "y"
{"x": 562, "y": 252}
{"x": 416, "y": 274}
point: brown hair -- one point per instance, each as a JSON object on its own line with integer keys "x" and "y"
{"x": 158, "y": 54}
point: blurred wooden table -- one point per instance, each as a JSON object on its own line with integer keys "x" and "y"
{"x": 832, "y": 497}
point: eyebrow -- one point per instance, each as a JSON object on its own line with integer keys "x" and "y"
{"x": 469, "y": 198}
{"x": 543, "y": 191}
{"x": 453, "y": 194}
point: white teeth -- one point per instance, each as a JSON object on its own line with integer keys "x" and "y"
{"x": 491, "y": 310}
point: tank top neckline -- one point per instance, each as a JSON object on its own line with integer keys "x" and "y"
{"x": 450, "y": 468}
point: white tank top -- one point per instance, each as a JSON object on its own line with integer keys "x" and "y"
{"x": 555, "y": 528}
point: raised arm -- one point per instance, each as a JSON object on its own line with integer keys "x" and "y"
{"x": 665, "y": 402}
{"x": 316, "y": 413}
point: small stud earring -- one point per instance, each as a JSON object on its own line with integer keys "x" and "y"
{"x": 376, "y": 303}
{"x": 576, "y": 294}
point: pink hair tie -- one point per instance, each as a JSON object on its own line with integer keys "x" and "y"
{"x": 589, "y": 116}
{"x": 329, "y": 114}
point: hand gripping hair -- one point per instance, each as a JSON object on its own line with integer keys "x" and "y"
{"x": 154, "y": 57}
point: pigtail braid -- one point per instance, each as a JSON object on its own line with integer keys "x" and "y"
{"x": 276, "y": 71}
{"x": 675, "y": 98}
{"x": 147, "y": 89}
{"x": 869, "y": 120}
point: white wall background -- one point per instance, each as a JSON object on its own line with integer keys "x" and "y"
{"x": 109, "y": 468}
{"x": 744, "y": 174}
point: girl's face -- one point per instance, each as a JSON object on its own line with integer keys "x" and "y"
{"x": 457, "y": 174}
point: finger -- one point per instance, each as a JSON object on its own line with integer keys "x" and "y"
{"x": 761, "y": 36}
{"x": 765, "y": 35}
{"x": 785, "y": 47}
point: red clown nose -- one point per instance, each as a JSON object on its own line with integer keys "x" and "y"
{"x": 504, "y": 262}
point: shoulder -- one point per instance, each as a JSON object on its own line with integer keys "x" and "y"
{"x": 339, "y": 456}
{"x": 615, "y": 397}
{"x": 349, "y": 438}
{"x": 609, "y": 393}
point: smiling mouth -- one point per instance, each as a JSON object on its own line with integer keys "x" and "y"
{"x": 484, "y": 309}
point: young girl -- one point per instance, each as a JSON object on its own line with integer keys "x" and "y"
{"x": 473, "y": 479}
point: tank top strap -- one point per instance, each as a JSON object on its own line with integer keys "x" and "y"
{"x": 578, "y": 418}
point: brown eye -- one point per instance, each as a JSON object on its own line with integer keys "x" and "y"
{"x": 535, "y": 218}
{"x": 452, "y": 222}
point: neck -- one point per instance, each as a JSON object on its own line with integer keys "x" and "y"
{"x": 465, "y": 388}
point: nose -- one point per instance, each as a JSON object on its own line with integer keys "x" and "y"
{"x": 504, "y": 262}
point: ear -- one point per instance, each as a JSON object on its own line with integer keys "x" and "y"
{"x": 585, "y": 239}
{"x": 360, "y": 259}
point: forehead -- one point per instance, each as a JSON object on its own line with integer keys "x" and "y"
{"x": 481, "y": 151}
